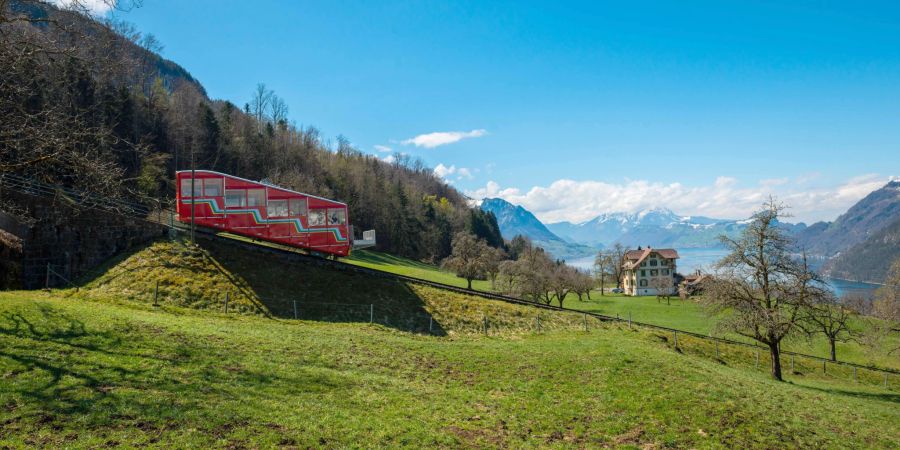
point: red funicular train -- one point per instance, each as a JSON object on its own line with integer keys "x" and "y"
{"x": 228, "y": 203}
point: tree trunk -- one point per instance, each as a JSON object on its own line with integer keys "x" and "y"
{"x": 831, "y": 341}
{"x": 775, "y": 352}
{"x": 469, "y": 280}
{"x": 589, "y": 293}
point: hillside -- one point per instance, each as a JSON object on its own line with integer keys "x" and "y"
{"x": 262, "y": 284}
{"x": 83, "y": 373}
{"x": 871, "y": 214}
{"x": 133, "y": 118}
{"x": 515, "y": 220}
{"x": 870, "y": 259}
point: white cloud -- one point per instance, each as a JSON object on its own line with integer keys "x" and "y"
{"x": 438, "y": 138}
{"x": 383, "y": 148}
{"x": 442, "y": 171}
{"x": 578, "y": 201}
{"x": 464, "y": 173}
{"x": 390, "y": 159}
{"x": 93, "y": 7}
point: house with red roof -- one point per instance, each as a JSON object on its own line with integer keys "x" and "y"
{"x": 650, "y": 271}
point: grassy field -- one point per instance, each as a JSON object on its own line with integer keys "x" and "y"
{"x": 683, "y": 315}
{"x": 92, "y": 372}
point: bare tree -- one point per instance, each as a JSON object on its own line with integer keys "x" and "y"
{"x": 830, "y": 317}
{"x": 259, "y": 104}
{"x": 561, "y": 282}
{"x": 764, "y": 290}
{"x": 492, "y": 262}
{"x": 278, "y": 110}
{"x": 604, "y": 266}
{"x": 617, "y": 254}
{"x": 583, "y": 284}
{"x": 886, "y": 307}
{"x": 469, "y": 256}
{"x": 664, "y": 288}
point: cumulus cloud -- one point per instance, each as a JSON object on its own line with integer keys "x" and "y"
{"x": 383, "y": 148}
{"x": 578, "y": 201}
{"x": 438, "y": 138}
{"x": 390, "y": 159}
{"x": 93, "y": 7}
{"x": 442, "y": 171}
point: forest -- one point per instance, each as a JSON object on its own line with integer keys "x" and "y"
{"x": 93, "y": 106}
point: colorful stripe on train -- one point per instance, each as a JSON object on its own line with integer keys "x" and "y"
{"x": 259, "y": 220}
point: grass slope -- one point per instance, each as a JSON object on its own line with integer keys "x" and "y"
{"x": 683, "y": 315}
{"x": 92, "y": 373}
{"x": 258, "y": 283}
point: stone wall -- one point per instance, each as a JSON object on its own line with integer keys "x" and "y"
{"x": 73, "y": 241}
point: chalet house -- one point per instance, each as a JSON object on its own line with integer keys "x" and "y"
{"x": 650, "y": 271}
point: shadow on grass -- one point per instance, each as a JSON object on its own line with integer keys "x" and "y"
{"x": 305, "y": 290}
{"x": 881, "y": 396}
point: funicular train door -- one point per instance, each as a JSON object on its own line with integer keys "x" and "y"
{"x": 298, "y": 207}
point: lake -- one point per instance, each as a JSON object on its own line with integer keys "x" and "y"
{"x": 692, "y": 259}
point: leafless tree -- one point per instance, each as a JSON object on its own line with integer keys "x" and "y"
{"x": 664, "y": 288}
{"x": 583, "y": 283}
{"x": 469, "y": 257}
{"x": 761, "y": 288}
{"x": 493, "y": 259}
{"x": 260, "y": 103}
{"x": 617, "y": 263}
{"x": 604, "y": 266}
{"x": 886, "y": 307}
{"x": 830, "y": 317}
{"x": 562, "y": 280}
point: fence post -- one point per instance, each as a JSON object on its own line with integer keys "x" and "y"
{"x": 371, "y": 313}
{"x": 676, "y": 340}
{"x": 539, "y": 324}
{"x": 885, "y": 379}
{"x": 854, "y": 374}
{"x": 792, "y": 363}
{"x": 430, "y": 323}
{"x": 585, "y": 321}
{"x": 824, "y": 363}
{"x": 227, "y": 295}
{"x": 47, "y": 280}
{"x": 295, "y": 309}
{"x": 717, "y": 349}
{"x": 156, "y": 294}
{"x": 757, "y": 357}
{"x": 484, "y": 323}
{"x": 629, "y": 320}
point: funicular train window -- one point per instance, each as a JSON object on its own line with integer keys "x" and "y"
{"x": 298, "y": 206}
{"x": 186, "y": 187}
{"x": 213, "y": 187}
{"x": 337, "y": 217}
{"x": 235, "y": 198}
{"x": 256, "y": 197}
{"x": 316, "y": 217}
{"x": 278, "y": 208}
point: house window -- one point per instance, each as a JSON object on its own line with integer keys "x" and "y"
{"x": 643, "y": 273}
{"x": 256, "y": 197}
{"x": 644, "y": 264}
{"x": 235, "y": 199}
{"x": 643, "y": 283}
{"x": 337, "y": 217}
{"x": 653, "y": 262}
{"x": 212, "y": 187}
{"x": 316, "y": 217}
{"x": 278, "y": 208}
{"x": 654, "y": 273}
{"x": 298, "y": 206}
{"x": 665, "y": 271}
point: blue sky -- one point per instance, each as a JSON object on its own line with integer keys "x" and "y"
{"x": 577, "y": 108}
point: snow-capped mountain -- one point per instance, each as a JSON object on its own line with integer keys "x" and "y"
{"x": 655, "y": 227}
{"x": 516, "y": 220}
